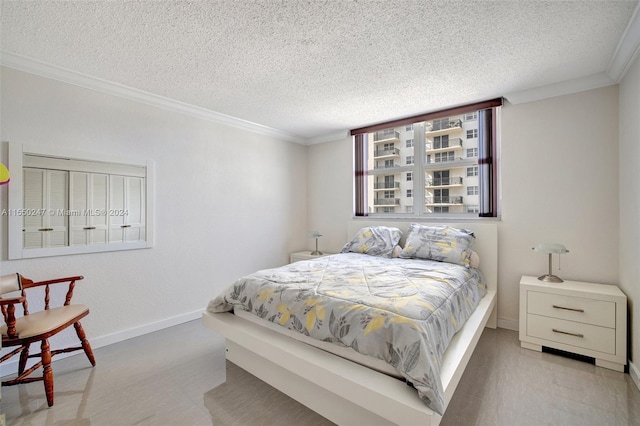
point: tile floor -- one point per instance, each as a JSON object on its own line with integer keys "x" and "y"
{"x": 176, "y": 377}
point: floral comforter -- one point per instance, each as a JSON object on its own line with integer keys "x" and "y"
{"x": 403, "y": 311}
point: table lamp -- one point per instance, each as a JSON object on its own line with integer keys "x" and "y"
{"x": 316, "y": 235}
{"x": 550, "y": 249}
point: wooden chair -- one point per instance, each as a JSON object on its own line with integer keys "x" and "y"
{"x": 39, "y": 327}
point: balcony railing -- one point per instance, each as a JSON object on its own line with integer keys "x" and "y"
{"x": 386, "y": 201}
{"x": 444, "y": 200}
{"x": 452, "y": 124}
{"x": 382, "y": 135}
{"x": 455, "y": 143}
{"x": 444, "y": 181}
{"x": 432, "y": 160}
{"x": 386, "y": 152}
{"x": 385, "y": 166}
{"x": 386, "y": 185}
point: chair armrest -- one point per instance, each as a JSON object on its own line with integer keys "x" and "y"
{"x": 27, "y": 283}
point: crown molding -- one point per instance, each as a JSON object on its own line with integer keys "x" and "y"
{"x": 568, "y": 87}
{"x": 625, "y": 54}
{"x": 66, "y": 75}
{"x": 627, "y": 49}
{"x": 327, "y": 137}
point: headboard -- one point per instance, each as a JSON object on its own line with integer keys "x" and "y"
{"x": 486, "y": 244}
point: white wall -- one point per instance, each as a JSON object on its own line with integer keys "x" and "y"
{"x": 559, "y": 184}
{"x": 560, "y": 180}
{"x": 630, "y": 203}
{"x": 227, "y": 202}
{"x": 330, "y": 192}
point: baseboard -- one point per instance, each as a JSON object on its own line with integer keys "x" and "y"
{"x": 634, "y": 372}
{"x": 508, "y": 324}
{"x": 121, "y": 336}
{"x": 11, "y": 366}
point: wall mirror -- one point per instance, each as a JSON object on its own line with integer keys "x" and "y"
{"x": 69, "y": 203}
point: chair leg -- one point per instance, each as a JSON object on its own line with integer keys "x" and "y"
{"x": 47, "y": 374}
{"x": 85, "y": 343}
{"x": 24, "y": 355}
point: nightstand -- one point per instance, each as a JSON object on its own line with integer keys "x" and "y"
{"x": 583, "y": 318}
{"x": 305, "y": 255}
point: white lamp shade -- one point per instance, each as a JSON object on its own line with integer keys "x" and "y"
{"x": 554, "y": 248}
{"x": 9, "y": 283}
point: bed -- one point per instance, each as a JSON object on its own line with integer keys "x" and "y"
{"x": 345, "y": 389}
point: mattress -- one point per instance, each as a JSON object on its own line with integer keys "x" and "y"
{"x": 403, "y": 312}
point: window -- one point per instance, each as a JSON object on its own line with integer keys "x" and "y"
{"x": 389, "y": 182}
{"x": 441, "y": 142}
{"x": 441, "y": 178}
{"x": 445, "y": 173}
{"x": 440, "y": 124}
{"x": 69, "y": 203}
{"x": 408, "y": 127}
{"x": 441, "y": 157}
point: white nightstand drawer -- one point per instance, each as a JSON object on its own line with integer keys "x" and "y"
{"x": 588, "y": 311}
{"x": 572, "y": 333}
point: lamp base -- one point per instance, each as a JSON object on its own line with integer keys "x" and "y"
{"x": 550, "y": 278}
{"x": 316, "y": 253}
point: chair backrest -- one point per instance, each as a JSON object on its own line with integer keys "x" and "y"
{"x": 10, "y": 283}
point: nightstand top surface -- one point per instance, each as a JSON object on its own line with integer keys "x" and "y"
{"x": 308, "y": 253}
{"x": 573, "y": 286}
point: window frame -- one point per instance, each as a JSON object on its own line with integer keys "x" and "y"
{"x": 488, "y": 116}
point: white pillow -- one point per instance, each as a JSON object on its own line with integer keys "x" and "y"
{"x": 439, "y": 242}
{"x": 374, "y": 241}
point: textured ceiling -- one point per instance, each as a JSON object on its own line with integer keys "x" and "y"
{"x": 312, "y": 68}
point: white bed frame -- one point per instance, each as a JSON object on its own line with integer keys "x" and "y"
{"x": 341, "y": 390}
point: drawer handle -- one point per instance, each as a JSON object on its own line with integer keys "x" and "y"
{"x": 125, "y": 226}
{"x": 89, "y": 228}
{"x": 566, "y": 332}
{"x": 568, "y": 309}
{"x": 45, "y": 229}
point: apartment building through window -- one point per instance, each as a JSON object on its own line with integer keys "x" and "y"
{"x": 444, "y": 169}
